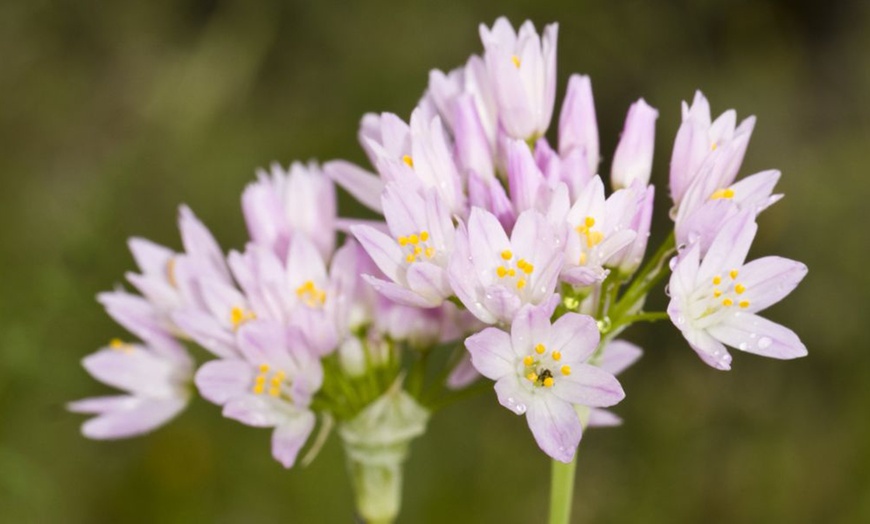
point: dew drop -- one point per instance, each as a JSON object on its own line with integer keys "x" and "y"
{"x": 764, "y": 342}
{"x": 680, "y": 320}
{"x": 668, "y": 289}
{"x": 752, "y": 335}
{"x": 742, "y": 346}
{"x": 520, "y": 409}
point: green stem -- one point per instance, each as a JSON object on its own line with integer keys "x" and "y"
{"x": 648, "y": 277}
{"x": 562, "y": 491}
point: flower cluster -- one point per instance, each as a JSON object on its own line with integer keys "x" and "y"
{"x": 492, "y": 237}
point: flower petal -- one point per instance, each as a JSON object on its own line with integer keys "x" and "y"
{"x": 491, "y": 353}
{"x": 289, "y": 437}
{"x": 555, "y": 426}
{"x": 755, "y": 334}
{"x": 589, "y": 386}
{"x": 220, "y": 380}
{"x": 619, "y": 355}
{"x": 576, "y": 336}
{"x": 769, "y": 279}
{"x": 138, "y": 416}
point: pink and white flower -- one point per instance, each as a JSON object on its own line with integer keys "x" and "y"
{"x": 714, "y": 301}
{"x": 270, "y": 384}
{"x": 522, "y": 70}
{"x": 155, "y": 378}
{"x": 700, "y": 141}
{"x": 634, "y": 154}
{"x": 542, "y": 372}
{"x": 415, "y": 255}
{"x": 494, "y": 276}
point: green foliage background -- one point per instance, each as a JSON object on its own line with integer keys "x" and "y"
{"x": 114, "y": 113}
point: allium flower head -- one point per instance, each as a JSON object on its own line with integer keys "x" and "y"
{"x": 714, "y": 302}
{"x": 494, "y": 275}
{"x": 155, "y": 377}
{"x": 522, "y": 69}
{"x": 541, "y": 371}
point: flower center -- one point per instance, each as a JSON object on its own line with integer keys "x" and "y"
{"x": 275, "y": 383}
{"x": 311, "y": 295}
{"x": 417, "y": 246}
{"x": 240, "y": 315}
{"x": 537, "y": 367}
{"x": 726, "y": 293}
{"x": 592, "y": 238}
{"x": 514, "y": 272}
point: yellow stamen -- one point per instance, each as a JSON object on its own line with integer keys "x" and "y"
{"x": 549, "y": 382}
{"x": 501, "y": 271}
{"x": 506, "y": 254}
{"x": 739, "y": 289}
{"x": 557, "y": 355}
{"x": 713, "y": 146}
{"x": 418, "y": 250}
{"x": 410, "y": 258}
{"x": 582, "y": 259}
{"x": 589, "y": 222}
{"x": 413, "y": 239}
{"x": 116, "y": 343}
{"x": 516, "y": 60}
{"x": 744, "y": 304}
{"x": 566, "y": 370}
{"x": 259, "y": 388}
{"x": 239, "y": 316}
{"x": 529, "y": 360}
{"x": 717, "y": 280}
{"x": 521, "y": 283}
{"x": 403, "y": 241}
{"x": 532, "y": 377}
{"x": 512, "y": 272}
{"x": 722, "y": 193}
{"x": 424, "y": 235}
{"x": 408, "y": 160}
{"x": 593, "y": 238}
{"x": 540, "y": 349}
{"x": 274, "y": 392}
{"x": 264, "y": 368}
{"x": 733, "y": 274}
{"x": 170, "y": 272}
{"x": 430, "y": 252}
{"x": 727, "y": 302}
{"x": 717, "y": 293}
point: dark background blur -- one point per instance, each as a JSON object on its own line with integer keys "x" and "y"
{"x": 113, "y": 113}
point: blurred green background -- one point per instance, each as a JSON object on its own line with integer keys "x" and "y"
{"x": 114, "y": 113}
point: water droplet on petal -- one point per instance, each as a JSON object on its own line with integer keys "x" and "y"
{"x": 764, "y": 342}
{"x": 668, "y": 289}
{"x": 742, "y": 346}
{"x": 520, "y": 409}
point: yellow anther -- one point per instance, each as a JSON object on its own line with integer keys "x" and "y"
{"x": 403, "y": 241}
{"x": 549, "y": 382}
{"x": 727, "y": 302}
{"x": 713, "y": 146}
{"x": 430, "y": 252}
{"x": 512, "y": 272}
{"x": 717, "y": 293}
{"x": 516, "y": 60}
{"x": 744, "y": 304}
{"x": 593, "y": 238}
{"x": 557, "y": 355}
{"x": 540, "y": 349}
{"x": 116, "y": 343}
{"x": 532, "y": 377}
{"x": 722, "y": 193}
{"x": 582, "y": 261}
{"x": 566, "y": 370}
{"x": 170, "y": 272}
{"x": 424, "y": 235}
{"x": 410, "y": 258}
{"x": 261, "y": 379}
{"x": 408, "y": 160}
{"x": 717, "y": 280}
{"x": 525, "y": 266}
{"x": 501, "y": 271}
{"x": 589, "y": 222}
{"x": 274, "y": 392}
{"x": 529, "y": 360}
{"x": 506, "y": 254}
{"x": 521, "y": 283}
{"x": 259, "y": 388}
{"x": 264, "y": 368}
{"x": 413, "y": 239}
{"x": 418, "y": 250}
{"x": 276, "y": 381}
{"x": 739, "y": 289}
{"x": 733, "y": 274}
{"x": 239, "y": 316}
